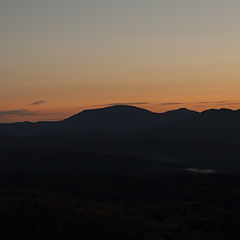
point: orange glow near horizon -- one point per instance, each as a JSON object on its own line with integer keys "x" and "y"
{"x": 37, "y": 113}
{"x": 61, "y": 57}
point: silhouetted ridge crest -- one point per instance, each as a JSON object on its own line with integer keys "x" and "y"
{"x": 182, "y": 110}
{"x": 219, "y": 111}
{"x": 116, "y": 110}
{"x": 180, "y": 114}
{"x": 117, "y": 118}
{"x": 221, "y": 115}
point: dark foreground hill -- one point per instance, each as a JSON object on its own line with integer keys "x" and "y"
{"x": 124, "y": 139}
{"x": 146, "y": 207}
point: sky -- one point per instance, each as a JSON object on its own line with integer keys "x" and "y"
{"x": 58, "y": 57}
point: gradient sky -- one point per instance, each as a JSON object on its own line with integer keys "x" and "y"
{"x": 59, "y": 57}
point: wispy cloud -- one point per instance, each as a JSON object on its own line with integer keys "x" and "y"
{"x": 204, "y": 102}
{"x": 222, "y": 103}
{"x": 127, "y": 103}
{"x": 121, "y": 103}
{"x": 38, "y": 102}
{"x": 227, "y": 103}
{"x": 18, "y": 112}
{"x": 170, "y": 103}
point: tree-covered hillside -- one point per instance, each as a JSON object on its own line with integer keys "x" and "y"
{"x": 73, "y": 206}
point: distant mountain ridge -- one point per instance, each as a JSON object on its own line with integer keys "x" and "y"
{"x": 125, "y": 137}
{"x": 122, "y": 118}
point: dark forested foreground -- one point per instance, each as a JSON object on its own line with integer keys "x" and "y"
{"x": 166, "y": 206}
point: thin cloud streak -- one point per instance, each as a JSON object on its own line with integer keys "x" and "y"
{"x": 38, "y": 103}
{"x": 226, "y": 103}
{"x": 169, "y": 103}
{"x": 19, "y": 112}
{"x": 121, "y": 103}
{"x": 127, "y": 103}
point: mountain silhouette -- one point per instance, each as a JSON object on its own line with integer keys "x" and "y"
{"x": 121, "y": 118}
{"x": 125, "y": 134}
{"x": 113, "y": 111}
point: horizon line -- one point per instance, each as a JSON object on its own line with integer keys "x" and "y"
{"x": 119, "y": 105}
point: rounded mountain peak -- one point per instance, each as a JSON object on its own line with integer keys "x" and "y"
{"x": 115, "y": 111}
